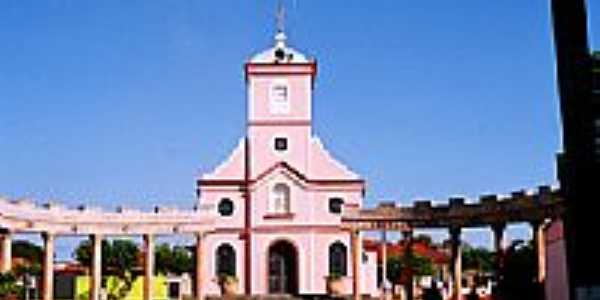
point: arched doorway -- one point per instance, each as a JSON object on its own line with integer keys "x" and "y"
{"x": 283, "y": 268}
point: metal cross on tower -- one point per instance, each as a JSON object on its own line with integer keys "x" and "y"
{"x": 280, "y": 17}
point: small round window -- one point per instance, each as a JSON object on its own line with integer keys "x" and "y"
{"x": 226, "y": 207}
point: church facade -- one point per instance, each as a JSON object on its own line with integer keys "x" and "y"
{"x": 280, "y": 194}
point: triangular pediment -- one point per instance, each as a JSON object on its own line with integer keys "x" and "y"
{"x": 285, "y": 169}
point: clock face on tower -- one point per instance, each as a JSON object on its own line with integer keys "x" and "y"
{"x": 279, "y": 98}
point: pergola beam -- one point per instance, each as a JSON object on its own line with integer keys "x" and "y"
{"x": 519, "y": 207}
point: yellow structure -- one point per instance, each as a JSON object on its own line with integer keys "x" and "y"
{"x": 160, "y": 288}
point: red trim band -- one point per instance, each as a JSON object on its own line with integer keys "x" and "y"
{"x": 280, "y": 123}
{"x": 276, "y": 216}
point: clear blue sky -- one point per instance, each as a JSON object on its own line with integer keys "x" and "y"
{"x": 125, "y": 102}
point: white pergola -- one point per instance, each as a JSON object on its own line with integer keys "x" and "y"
{"x": 23, "y": 216}
{"x": 535, "y": 207}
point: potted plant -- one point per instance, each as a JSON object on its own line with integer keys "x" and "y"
{"x": 228, "y": 284}
{"x": 335, "y": 284}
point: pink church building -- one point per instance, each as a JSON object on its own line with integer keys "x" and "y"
{"x": 280, "y": 195}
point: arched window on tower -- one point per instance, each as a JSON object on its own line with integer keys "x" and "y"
{"x": 338, "y": 261}
{"x": 225, "y": 260}
{"x": 280, "y": 199}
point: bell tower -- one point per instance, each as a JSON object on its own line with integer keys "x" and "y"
{"x": 279, "y": 84}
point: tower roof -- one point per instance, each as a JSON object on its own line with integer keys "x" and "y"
{"x": 280, "y": 53}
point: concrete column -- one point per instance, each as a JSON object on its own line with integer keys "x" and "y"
{"x": 456, "y": 262}
{"x": 48, "y": 267}
{"x": 384, "y": 260}
{"x": 96, "y": 267}
{"x": 6, "y": 252}
{"x": 148, "y": 266}
{"x": 539, "y": 243}
{"x": 408, "y": 254}
{"x": 356, "y": 262}
{"x": 498, "y": 230}
{"x": 199, "y": 267}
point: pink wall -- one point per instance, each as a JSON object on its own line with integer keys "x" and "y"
{"x": 300, "y": 97}
{"x": 556, "y": 266}
{"x": 263, "y": 155}
{"x": 310, "y": 171}
{"x": 209, "y": 248}
{"x": 213, "y": 195}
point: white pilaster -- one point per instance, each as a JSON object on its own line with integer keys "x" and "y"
{"x": 199, "y": 268}
{"x": 356, "y": 262}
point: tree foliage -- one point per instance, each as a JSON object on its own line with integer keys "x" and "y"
{"x": 173, "y": 260}
{"x": 30, "y": 266}
{"x": 424, "y": 239}
{"x": 478, "y": 259}
{"x": 121, "y": 256}
{"x": 118, "y": 256}
{"x": 32, "y": 258}
{"x": 398, "y": 266}
{"x": 28, "y": 251}
{"x": 83, "y": 253}
{"x": 8, "y": 286}
{"x": 119, "y": 259}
